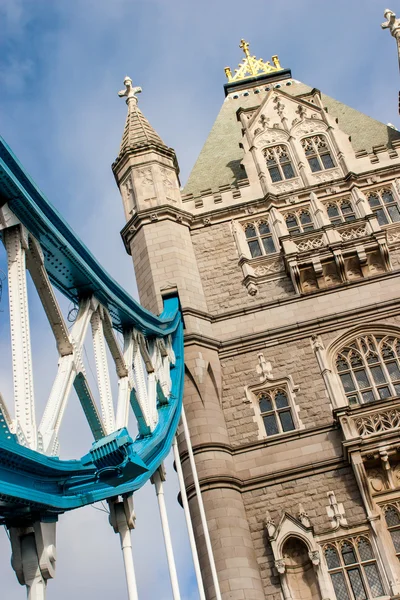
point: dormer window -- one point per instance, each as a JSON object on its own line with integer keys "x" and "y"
{"x": 340, "y": 212}
{"x": 317, "y": 153}
{"x": 259, "y": 239}
{"x": 279, "y": 163}
{"x": 384, "y": 206}
{"x": 300, "y": 222}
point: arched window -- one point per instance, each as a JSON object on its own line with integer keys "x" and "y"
{"x": 369, "y": 368}
{"x": 340, "y": 212}
{"x": 392, "y": 518}
{"x": 384, "y": 206}
{"x": 317, "y": 152}
{"x": 353, "y": 570}
{"x": 279, "y": 163}
{"x": 299, "y": 222}
{"x": 259, "y": 239}
{"x": 275, "y": 411}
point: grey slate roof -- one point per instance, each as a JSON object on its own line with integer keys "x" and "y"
{"x": 138, "y": 132}
{"x": 219, "y": 161}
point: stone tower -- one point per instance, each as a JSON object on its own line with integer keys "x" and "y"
{"x": 284, "y": 248}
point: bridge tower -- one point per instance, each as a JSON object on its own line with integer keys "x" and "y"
{"x": 284, "y": 248}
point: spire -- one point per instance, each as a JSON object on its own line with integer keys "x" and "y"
{"x": 138, "y": 133}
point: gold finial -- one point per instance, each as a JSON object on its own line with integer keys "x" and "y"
{"x": 245, "y": 47}
{"x": 252, "y": 66}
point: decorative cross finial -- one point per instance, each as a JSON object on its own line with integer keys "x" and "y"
{"x": 245, "y": 47}
{"x": 391, "y": 20}
{"x": 129, "y": 91}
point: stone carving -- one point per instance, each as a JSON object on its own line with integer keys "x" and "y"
{"x": 154, "y": 217}
{"x": 353, "y": 233}
{"x": 269, "y": 524}
{"x": 252, "y": 289}
{"x": 335, "y": 511}
{"x": 268, "y": 268}
{"x": 279, "y": 106}
{"x": 287, "y": 186}
{"x": 310, "y": 244}
{"x": 272, "y": 136}
{"x": 146, "y": 176}
{"x": 378, "y": 421}
{"x": 303, "y": 516}
{"x": 206, "y": 221}
{"x": 376, "y": 480}
{"x": 314, "y": 557}
{"x": 393, "y": 236}
{"x": 327, "y": 175}
{"x": 280, "y": 566}
{"x": 308, "y": 126}
{"x": 167, "y": 181}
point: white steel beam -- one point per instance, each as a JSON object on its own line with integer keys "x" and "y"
{"x": 125, "y": 383}
{"x": 68, "y": 367}
{"x": 157, "y": 479}
{"x": 103, "y": 375}
{"x": 16, "y": 242}
{"x": 113, "y": 345}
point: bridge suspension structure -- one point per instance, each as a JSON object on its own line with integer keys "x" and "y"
{"x": 35, "y": 485}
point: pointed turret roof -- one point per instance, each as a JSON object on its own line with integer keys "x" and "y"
{"x": 138, "y": 133}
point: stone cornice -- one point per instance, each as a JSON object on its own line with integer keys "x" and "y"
{"x": 152, "y": 215}
{"x": 292, "y": 332}
{"x": 254, "y": 483}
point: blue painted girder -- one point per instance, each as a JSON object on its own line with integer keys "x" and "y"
{"x": 33, "y": 485}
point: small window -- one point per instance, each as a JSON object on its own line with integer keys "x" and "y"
{"x": 353, "y": 569}
{"x": 392, "y": 518}
{"x": 259, "y": 239}
{"x": 279, "y": 163}
{"x": 369, "y": 369}
{"x": 275, "y": 412}
{"x": 318, "y": 154}
{"x": 341, "y": 212}
{"x": 300, "y": 222}
{"x": 384, "y": 206}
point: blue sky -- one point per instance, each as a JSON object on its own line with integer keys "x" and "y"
{"x": 61, "y": 66}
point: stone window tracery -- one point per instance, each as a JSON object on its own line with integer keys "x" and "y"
{"x": 275, "y": 411}
{"x": 259, "y": 239}
{"x": 341, "y": 211}
{"x": 369, "y": 368}
{"x": 299, "y": 222}
{"x": 353, "y": 569}
{"x": 279, "y": 163}
{"x": 392, "y": 518}
{"x": 384, "y": 205}
{"x": 318, "y": 153}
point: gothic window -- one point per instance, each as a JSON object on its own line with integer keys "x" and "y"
{"x": 317, "y": 152}
{"x": 369, "y": 368}
{"x": 275, "y": 411}
{"x": 259, "y": 239}
{"x": 392, "y": 518}
{"x": 341, "y": 212}
{"x": 384, "y": 206}
{"x": 299, "y": 222}
{"x": 279, "y": 163}
{"x": 353, "y": 569}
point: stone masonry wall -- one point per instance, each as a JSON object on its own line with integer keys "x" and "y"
{"x": 311, "y": 492}
{"x": 217, "y": 259}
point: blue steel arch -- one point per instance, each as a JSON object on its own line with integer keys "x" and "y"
{"x": 32, "y": 484}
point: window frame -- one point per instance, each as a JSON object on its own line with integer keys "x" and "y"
{"x": 300, "y": 227}
{"x": 259, "y": 237}
{"x": 392, "y": 528}
{"x": 275, "y": 410}
{"x": 342, "y": 218}
{"x": 345, "y": 568}
{"x": 278, "y": 164}
{"x": 316, "y": 154}
{"x": 382, "y": 207}
{"x": 368, "y": 371}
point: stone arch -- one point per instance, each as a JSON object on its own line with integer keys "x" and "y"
{"x": 300, "y": 573}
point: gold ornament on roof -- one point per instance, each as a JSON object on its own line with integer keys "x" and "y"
{"x": 252, "y": 66}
